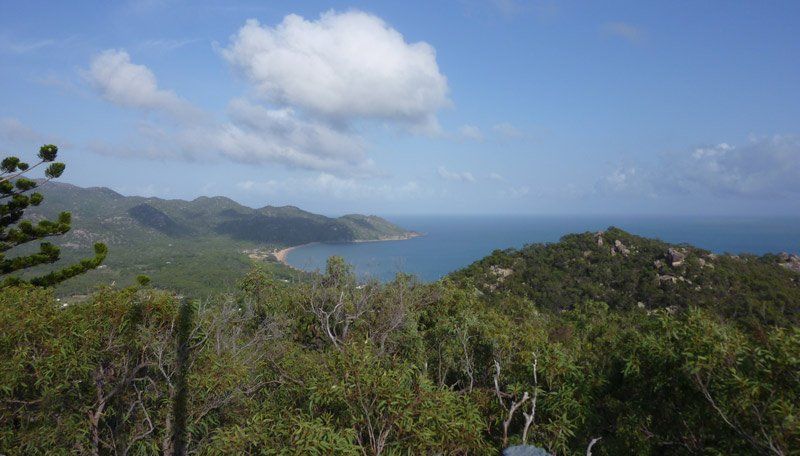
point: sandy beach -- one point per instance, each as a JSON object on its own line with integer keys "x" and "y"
{"x": 280, "y": 255}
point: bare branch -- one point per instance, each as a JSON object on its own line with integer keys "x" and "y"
{"x": 591, "y": 444}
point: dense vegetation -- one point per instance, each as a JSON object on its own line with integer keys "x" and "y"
{"x": 627, "y": 271}
{"x": 549, "y": 345}
{"x": 174, "y": 242}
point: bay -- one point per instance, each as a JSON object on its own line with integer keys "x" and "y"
{"x": 453, "y": 242}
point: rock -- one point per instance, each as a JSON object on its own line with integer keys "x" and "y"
{"x": 790, "y": 262}
{"x": 792, "y": 266}
{"x": 658, "y": 264}
{"x": 701, "y": 262}
{"x": 640, "y": 305}
{"x": 500, "y": 273}
{"x": 675, "y": 258}
{"x": 619, "y": 247}
{"x": 599, "y": 237}
{"x": 667, "y": 278}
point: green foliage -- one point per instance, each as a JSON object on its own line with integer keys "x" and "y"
{"x": 185, "y": 325}
{"x": 15, "y": 232}
{"x": 557, "y": 276}
{"x": 333, "y": 366}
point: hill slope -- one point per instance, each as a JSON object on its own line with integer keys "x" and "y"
{"x": 627, "y": 271}
{"x": 192, "y": 246}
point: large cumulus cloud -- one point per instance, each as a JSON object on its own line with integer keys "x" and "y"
{"x": 342, "y": 66}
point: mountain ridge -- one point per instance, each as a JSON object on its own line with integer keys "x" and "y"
{"x": 174, "y": 240}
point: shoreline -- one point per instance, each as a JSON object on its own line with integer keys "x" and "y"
{"x": 280, "y": 255}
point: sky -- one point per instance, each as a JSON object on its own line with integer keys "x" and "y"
{"x": 446, "y": 107}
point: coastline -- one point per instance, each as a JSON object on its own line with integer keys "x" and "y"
{"x": 280, "y": 255}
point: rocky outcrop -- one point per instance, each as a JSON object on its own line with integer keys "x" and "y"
{"x": 500, "y": 273}
{"x": 599, "y": 237}
{"x": 620, "y": 248}
{"x": 790, "y": 262}
{"x": 667, "y": 278}
{"x": 675, "y": 258}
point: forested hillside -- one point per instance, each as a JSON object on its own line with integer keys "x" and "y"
{"x": 636, "y": 343}
{"x": 195, "y": 247}
{"x": 627, "y": 271}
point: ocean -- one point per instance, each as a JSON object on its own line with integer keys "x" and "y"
{"x": 453, "y": 242}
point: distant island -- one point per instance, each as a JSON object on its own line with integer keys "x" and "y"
{"x": 192, "y": 246}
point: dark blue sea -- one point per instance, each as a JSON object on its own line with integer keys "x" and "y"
{"x": 453, "y": 242}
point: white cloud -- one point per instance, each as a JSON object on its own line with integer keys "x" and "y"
{"x": 464, "y": 176}
{"x": 253, "y": 133}
{"x": 496, "y": 177}
{"x": 470, "y": 132}
{"x": 624, "y": 180}
{"x": 763, "y": 167}
{"x": 318, "y": 78}
{"x": 767, "y": 167}
{"x": 258, "y": 135}
{"x": 343, "y": 67}
{"x": 623, "y": 30}
{"x": 122, "y": 82}
{"x": 507, "y": 131}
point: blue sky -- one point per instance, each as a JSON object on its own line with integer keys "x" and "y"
{"x": 472, "y": 106}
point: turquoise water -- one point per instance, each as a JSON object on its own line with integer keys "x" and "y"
{"x": 453, "y": 242}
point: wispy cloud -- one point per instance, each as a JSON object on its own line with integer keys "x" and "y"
{"x": 628, "y": 32}
{"x": 330, "y": 186}
{"x": 463, "y": 176}
{"x": 471, "y": 133}
{"x": 507, "y": 131}
{"x": 764, "y": 167}
{"x": 166, "y": 45}
{"x": 13, "y": 130}
{"x": 515, "y": 192}
{"x": 12, "y": 46}
{"x": 15, "y": 133}
{"x": 512, "y": 8}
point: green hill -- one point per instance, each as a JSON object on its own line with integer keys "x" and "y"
{"x": 627, "y": 271}
{"x": 190, "y": 246}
